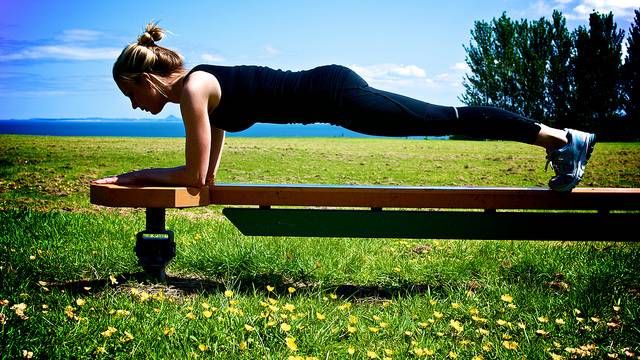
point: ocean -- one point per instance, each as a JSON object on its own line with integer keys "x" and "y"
{"x": 161, "y": 128}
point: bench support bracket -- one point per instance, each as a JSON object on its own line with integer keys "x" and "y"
{"x": 155, "y": 246}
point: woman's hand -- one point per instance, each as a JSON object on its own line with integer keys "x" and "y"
{"x": 122, "y": 179}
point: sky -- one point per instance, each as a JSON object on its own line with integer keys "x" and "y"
{"x": 56, "y": 56}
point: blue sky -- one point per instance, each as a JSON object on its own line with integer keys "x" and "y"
{"x": 56, "y": 56}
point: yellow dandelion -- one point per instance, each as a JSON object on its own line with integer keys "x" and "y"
{"x": 249, "y": 328}
{"x": 423, "y": 325}
{"x": 203, "y": 347}
{"x": 456, "y": 325}
{"x": 477, "y": 357}
{"x": 506, "y": 337}
{"x": 351, "y": 350}
{"x": 271, "y": 323}
{"x": 560, "y": 321}
{"x": 122, "y": 313}
{"x": 291, "y": 289}
{"x": 441, "y": 334}
{"x": 320, "y": 317}
{"x": 285, "y": 327}
{"x": 616, "y": 308}
{"x": 270, "y": 288}
{"x": 228, "y": 293}
{"x": 205, "y": 305}
{"x": 243, "y": 345}
{"x": 272, "y": 301}
{"x": 345, "y": 306}
{"x": 522, "y": 326}
{"x": 81, "y": 302}
{"x": 433, "y": 301}
{"x": 291, "y": 343}
{"x": 127, "y": 337}
{"x": 510, "y": 345}
{"x": 418, "y": 352}
{"x": 501, "y": 322}
{"x": 26, "y": 354}
{"x": 483, "y": 331}
{"x": 543, "y": 319}
{"x": 351, "y": 329}
{"x": 110, "y": 331}
{"x": 69, "y": 312}
{"x": 408, "y": 333}
{"x": 169, "y": 331}
{"x": 511, "y": 306}
{"x": 556, "y": 356}
{"x": 479, "y": 319}
{"x": 289, "y": 307}
{"x": 144, "y": 296}
{"x": 32, "y": 257}
{"x": 455, "y": 305}
{"x": 541, "y": 332}
{"x": 207, "y": 313}
{"x": 506, "y": 297}
{"x": 273, "y": 308}
{"x": 374, "y": 329}
{"x": 473, "y": 311}
{"x": 579, "y": 319}
{"x": 388, "y": 352}
{"x": 437, "y": 314}
{"x": 333, "y": 296}
{"x": 376, "y": 318}
{"x": 353, "y": 319}
{"x": 372, "y": 354}
{"x": 113, "y": 280}
{"x": 595, "y": 319}
{"x": 488, "y": 346}
{"x": 577, "y": 312}
{"x": 453, "y": 355}
{"x": 383, "y": 325}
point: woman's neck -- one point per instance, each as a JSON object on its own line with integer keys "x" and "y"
{"x": 173, "y": 85}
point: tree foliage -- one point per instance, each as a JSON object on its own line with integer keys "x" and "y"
{"x": 541, "y": 70}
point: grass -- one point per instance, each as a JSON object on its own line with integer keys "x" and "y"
{"x": 70, "y": 286}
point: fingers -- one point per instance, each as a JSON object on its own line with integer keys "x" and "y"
{"x": 109, "y": 180}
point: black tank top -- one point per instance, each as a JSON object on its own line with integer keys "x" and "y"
{"x": 252, "y": 94}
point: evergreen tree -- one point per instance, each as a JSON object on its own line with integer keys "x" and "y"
{"x": 533, "y": 43}
{"x": 481, "y": 86}
{"x": 559, "y": 77}
{"x": 632, "y": 72}
{"x": 596, "y": 67}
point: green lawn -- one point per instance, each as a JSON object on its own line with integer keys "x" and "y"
{"x": 69, "y": 281}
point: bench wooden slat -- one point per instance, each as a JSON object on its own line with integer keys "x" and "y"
{"x": 367, "y": 196}
{"x": 425, "y": 197}
{"x": 148, "y": 196}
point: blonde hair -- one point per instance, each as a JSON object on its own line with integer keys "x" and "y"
{"x": 144, "y": 56}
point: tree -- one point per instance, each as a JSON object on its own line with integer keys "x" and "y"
{"x": 596, "y": 67}
{"x": 559, "y": 77}
{"x": 481, "y": 87}
{"x": 632, "y": 72}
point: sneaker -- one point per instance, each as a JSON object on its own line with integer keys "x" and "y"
{"x": 569, "y": 161}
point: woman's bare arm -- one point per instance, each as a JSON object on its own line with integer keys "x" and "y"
{"x": 198, "y": 96}
{"x": 217, "y": 143}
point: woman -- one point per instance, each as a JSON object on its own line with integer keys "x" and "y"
{"x": 215, "y": 99}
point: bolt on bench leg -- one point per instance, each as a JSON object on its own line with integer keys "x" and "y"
{"x": 155, "y": 246}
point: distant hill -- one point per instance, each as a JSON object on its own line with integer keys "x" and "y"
{"x": 168, "y": 118}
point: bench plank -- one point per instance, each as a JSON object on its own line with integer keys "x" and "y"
{"x": 367, "y": 196}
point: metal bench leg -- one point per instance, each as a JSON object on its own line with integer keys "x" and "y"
{"x": 155, "y": 246}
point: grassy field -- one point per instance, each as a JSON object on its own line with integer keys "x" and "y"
{"x": 70, "y": 286}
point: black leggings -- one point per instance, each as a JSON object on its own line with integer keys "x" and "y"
{"x": 367, "y": 110}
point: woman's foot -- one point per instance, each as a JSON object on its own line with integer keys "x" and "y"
{"x": 569, "y": 161}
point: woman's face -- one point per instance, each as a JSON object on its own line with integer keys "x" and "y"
{"x": 142, "y": 95}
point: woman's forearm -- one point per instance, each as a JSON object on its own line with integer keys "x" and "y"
{"x": 217, "y": 143}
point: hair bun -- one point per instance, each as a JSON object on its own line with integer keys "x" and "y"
{"x": 151, "y": 34}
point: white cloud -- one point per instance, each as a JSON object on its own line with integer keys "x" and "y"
{"x": 79, "y": 35}
{"x": 212, "y": 58}
{"x": 62, "y": 52}
{"x": 399, "y": 77}
{"x": 580, "y": 9}
{"x": 460, "y": 66}
{"x": 387, "y": 72}
{"x": 270, "y": 50}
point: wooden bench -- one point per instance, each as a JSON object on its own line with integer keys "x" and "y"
{"x": 585, "y": 214}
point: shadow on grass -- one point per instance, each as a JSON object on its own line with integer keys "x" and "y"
{"x": 178, "y": 287}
